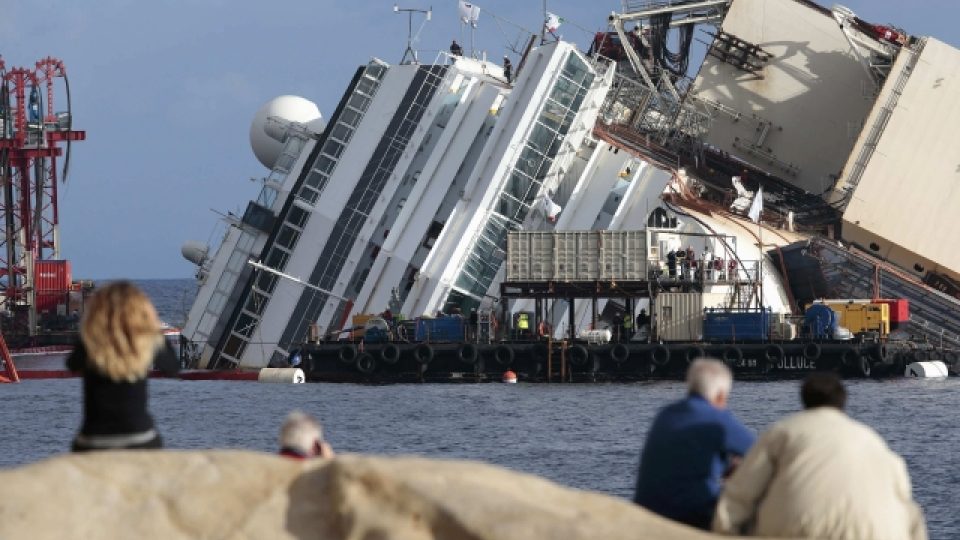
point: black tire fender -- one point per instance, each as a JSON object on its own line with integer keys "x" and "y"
{"x": 347, "y": 354}
{"x": 579, "y": 355}
{"x": 423, "y": 353}
{"x": 503, "y": 354}
{"x": 811, "y": 351}
{"x": 850, "y": 358}
{"x": 864, "y": 366}
{"x": 390, "y": 353}
{"x": 879, "y": 352}
{"x": 660, "y": 355}
{"x": 619, "y": 353}
{"x": 773, "y": 353}
{"x": 467, "y": 353}
{"x": 732, "y": 355}
{"x": 366, "y": 363}
{"x": 692, "y": 353}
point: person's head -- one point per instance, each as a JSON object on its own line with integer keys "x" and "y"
{"x": 301, "y": 434}
{"x": 120, "y": 331}
{"x": 711, "y": 379}
{"x": 823, "y": 389}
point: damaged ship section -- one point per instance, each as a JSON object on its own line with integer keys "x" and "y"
{"x": 830, "y": 131}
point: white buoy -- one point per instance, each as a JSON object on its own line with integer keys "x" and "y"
{"x": 509, "y": 377}
{"x": 282, "y": 375}
{"x": 926, "y": 370}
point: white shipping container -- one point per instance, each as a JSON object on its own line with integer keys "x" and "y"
{"x": 623, "y": 255}
{"x": 612, "y": 253}
{"x": 576, "y": 255}
{"x": 635, "y": 262}
{"x": 565, "y": 245}
{"x": 679, "y": 316}
{"x": 518, "y": 266}
{"x": 588, "y": 255}
{"x": 541, "y": 255}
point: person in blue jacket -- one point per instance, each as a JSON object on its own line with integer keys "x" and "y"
{"x": 693, "y": 444}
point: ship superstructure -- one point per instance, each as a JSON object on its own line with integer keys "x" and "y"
{"x": 405, "y": 199}
{"x": 415, "y": 181}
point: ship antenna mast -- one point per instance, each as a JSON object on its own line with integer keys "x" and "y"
{"x": 410, "y": 54}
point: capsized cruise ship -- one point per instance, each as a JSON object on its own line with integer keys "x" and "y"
{"x": 834, "y": 133}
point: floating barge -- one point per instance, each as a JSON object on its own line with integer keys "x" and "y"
{"x": 552, "y": 361}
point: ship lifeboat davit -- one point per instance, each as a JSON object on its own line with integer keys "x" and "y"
{"x": 269, "y": 127}
{"x": 509, "y": 377}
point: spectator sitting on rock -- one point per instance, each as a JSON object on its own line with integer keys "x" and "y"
{"x": 692, "y": 444}
{"x": 301, "y": 437}
{"x": 120, "y": 338}
{"x": 821, "y": 474}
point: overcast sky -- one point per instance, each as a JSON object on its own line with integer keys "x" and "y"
{"x": 166, "y": 91}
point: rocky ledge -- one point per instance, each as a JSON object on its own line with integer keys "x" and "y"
{"x": 233, "y": 494}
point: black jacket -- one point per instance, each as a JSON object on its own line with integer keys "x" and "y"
{"x": 111, "y": 407}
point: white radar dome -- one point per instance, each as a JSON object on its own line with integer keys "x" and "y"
{"x": 194, "y": 251}
{"x": 267, "y": 148}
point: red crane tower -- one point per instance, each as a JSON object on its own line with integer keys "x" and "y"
{"x": 33, "y": 279}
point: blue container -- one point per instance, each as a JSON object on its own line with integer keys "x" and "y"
{"x": 375, "y": 335}
{"x": 820, "y": 322}
{"x": 449, "y": 328}
{"x": 724, "y": 325}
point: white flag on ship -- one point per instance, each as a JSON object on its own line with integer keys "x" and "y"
{"x": 553, "y": 22}
{"x": 756, "y": 206}
{"x": 550, "y": 208}
{"x": 469, "y": 13}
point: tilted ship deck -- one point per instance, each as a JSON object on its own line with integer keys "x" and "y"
{"x": 403, "y": 200}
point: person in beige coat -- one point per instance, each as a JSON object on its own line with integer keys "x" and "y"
{"x": 821, "y": 474}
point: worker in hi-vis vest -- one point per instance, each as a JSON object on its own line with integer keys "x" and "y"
{"x": 523, "y": 324}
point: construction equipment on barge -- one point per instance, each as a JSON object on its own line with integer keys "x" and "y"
{"x": 40, "y": 302}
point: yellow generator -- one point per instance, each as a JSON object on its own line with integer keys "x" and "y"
{"x": 861, "y": 316}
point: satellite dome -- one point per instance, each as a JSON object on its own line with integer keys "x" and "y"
{"x": 195, "y": 251}
{"x": 265, "y": 144}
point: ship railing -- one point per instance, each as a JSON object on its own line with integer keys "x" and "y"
{"x": 879, "y": 124}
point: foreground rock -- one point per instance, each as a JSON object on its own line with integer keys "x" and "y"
{"x": 228, "y": 494}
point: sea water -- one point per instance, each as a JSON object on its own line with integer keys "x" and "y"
{"x": 586, "y": 436}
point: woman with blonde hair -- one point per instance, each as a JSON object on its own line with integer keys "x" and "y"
{"x": 120, "y": 338}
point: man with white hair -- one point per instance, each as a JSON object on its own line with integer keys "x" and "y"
{"x": 301, "y": 437}
{"x": 691, "y": 446}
